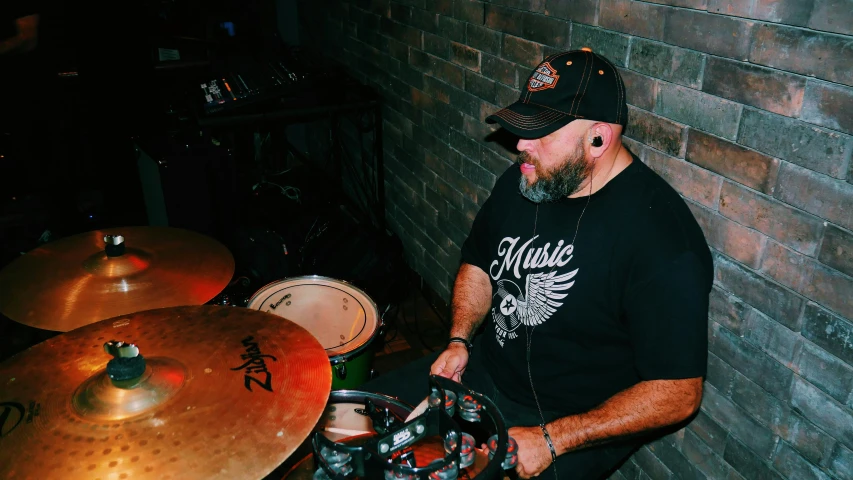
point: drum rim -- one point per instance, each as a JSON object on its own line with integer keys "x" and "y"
{"x": 342, "y": 357}
{"x": 349, "y": 392}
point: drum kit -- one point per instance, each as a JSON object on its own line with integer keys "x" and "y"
{"x": 147, "y": 381}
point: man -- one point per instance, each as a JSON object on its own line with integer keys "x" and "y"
{"x": 593, "y": 277}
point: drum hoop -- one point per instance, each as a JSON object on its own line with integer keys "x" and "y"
{"x": 342, "y": 357}
{"x": 356, "y": 396}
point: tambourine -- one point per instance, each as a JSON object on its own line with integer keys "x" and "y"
{"x": 390, "y": 455}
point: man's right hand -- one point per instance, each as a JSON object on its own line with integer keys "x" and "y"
{"x": 451, "y": 363}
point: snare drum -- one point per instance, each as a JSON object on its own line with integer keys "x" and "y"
{"x": 346, "y": 414}
{"x": 342, "y": 317}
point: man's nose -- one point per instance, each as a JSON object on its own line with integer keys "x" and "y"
{"x": 524, "y": 145}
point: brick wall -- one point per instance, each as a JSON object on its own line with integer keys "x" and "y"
{"x": 745, "y": 107}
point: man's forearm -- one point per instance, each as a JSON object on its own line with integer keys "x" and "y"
{"x": 644, "y": 407}
{"x": 472, "y": 297}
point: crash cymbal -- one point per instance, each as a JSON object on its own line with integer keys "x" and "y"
{"x": 225, "y": 392}
{"x": 73, "y": 282}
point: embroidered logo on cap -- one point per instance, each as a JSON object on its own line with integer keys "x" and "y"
{"x": 545, "y": 76}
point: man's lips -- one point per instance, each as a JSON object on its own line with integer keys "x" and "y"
{"x": 527, "y": 167}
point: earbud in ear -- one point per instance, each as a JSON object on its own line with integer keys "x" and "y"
{"x": 597, "y": 142}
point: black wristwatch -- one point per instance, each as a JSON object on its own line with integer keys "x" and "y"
{"x": 468, "y": 345}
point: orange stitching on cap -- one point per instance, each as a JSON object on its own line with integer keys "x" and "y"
{"x": 551, "y": 108}
{"x": 583, "y": 74}
{"x": 532, "y": 127}
{"x": 515, "y": 118}
{"x": 521, "y": 121}
{"x": 589, "y": 63}
{"x": 538, "y": 115}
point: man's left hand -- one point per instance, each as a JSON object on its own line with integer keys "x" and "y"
{"x": 534, "y": 456}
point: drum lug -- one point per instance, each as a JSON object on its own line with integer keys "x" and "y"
{"x": 341, "y": 370}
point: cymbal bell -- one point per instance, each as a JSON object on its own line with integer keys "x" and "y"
{"x": 73, "y": 281}
{"x": 223, "y": 392}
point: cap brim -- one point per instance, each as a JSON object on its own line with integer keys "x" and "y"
{"x": 530, "y": 120}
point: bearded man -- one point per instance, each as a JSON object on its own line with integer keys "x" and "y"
{"x": 592, "y": 278}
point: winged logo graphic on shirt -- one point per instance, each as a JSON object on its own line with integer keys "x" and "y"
{"x": 540, "y": 299}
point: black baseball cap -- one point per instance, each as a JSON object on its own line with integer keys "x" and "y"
{"x": 565, "y": 87}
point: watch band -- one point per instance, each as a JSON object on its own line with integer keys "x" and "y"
{"x": 468, "y": 345}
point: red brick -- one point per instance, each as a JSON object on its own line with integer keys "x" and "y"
{"x": 504, "y": 20}
{"x": 403, "y": 33}
{"x": 804, "y": 144}
{"x": 715, "y": 34}
{"x": 640, "y": 90}
{"x": 700, "y": 110}
{"x": 829, "y": 105}
{"x": 436, "y": 45}
{"x": 633, "y": 18}
{"x": 522, "y": 51}
{"x": 832, "y": 16}
{"x": 656, "y": 132}
{"x": 770, "y": 90}
{"x": 484, "y": 39}
{"x": 581, "y": 11}
{"x": 443, "y": 7}
{"x": 436, "y": 67}
{"x": 400, "y": 13}
{"x": 505, "y": 95}
{"x": 478, "y": 130}
{"x": 422, "y": 100}
{"x": 692, "y": 182}
{"x": 802, "y": 51}
{"x": 379, "y": 7}
{"x": 424, "y": 20}
{"x": 736, "y": 241}
{"x": 727, "y": 310}
{"x": 612, "y": 46}
{"x": 787, "y": 225}
{"x": 665, "y": 62}
{"x": 466, "y": 56}
{"x": 437, "y": 89}
{"x": 789, "y": 12}
{"x": 480, "y": 86}
{"x": 546, "y": 30}
{"x": 837, "y": 249}
{"x": 451, "y": 29}
{"x": 732, "y": 161}
{"x": 767, "y": 296}
{"x": 469, "y": 11}
{"x": 537, "y": 6}
{"x": 811, "y": 279}
{"x": 817, "y": 194}
{"x": 694, "y": 4}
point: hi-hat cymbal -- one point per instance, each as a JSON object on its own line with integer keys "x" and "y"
{"x": 226, "y": 393}
{"x": 73, "y": 282}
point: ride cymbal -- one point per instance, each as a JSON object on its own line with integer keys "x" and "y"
{"x": 73, "y": 281}
{"x": 223, "y": 392}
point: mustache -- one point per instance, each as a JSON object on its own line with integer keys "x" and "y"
{"x": 525, "y": 157}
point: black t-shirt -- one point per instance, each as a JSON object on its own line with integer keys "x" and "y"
{"x": 627, "y": 302}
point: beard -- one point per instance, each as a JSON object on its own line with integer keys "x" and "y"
{"x": 559, "y": 183}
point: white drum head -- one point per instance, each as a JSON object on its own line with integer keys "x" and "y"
{"x": 346, "y": 413}
{"x": 343, "y": 318}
